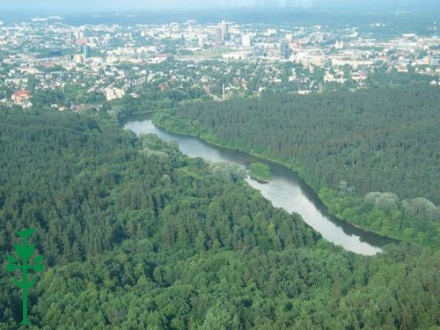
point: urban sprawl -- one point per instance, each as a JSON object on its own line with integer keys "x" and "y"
{"x": 216, "y": 61}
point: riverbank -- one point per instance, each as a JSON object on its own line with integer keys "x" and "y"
{"x": 286, "y": 191}
{"x": 322, "y": 194}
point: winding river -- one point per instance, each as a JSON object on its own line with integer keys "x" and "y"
{"x": 286, "y": 190}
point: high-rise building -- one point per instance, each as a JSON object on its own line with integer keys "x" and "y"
{"x": 246, "y": 40}
{"x": 79, "y": 34}
{"x": 201, "y": 40}
{"x": 285, "y": 51}
{"x": 225, "y": 31}
{"x": 319, "y": 37}
{"x": 191, "y": 23}
{"x": 218, "y": 36}
{"x": 78, "y": 58}
{"x": 85, "y": 51}
{"x": 435, "y": 60}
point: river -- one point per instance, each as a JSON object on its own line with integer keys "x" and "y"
{"x": 286, "y": 191}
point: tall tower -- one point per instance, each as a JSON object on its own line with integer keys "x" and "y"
{"x": 285, "y": 51}
{"x": 225, "y": 31}
{"x": 86, "y": 51}
{"x": 218, "y": 36}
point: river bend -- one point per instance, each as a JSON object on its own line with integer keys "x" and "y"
{"x": 286, "y": 190}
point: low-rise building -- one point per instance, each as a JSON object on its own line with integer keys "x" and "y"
{"x": 20, "y": 96}
{"x": 112, "y": 93}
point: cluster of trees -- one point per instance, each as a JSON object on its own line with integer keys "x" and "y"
{"x": 138, "y": 236}
{"x": 375, "y": 140}
{"x": 260, "y": 171}
{"x": 383, "y": 77}
{"x": 67, "y": 96}
{"x": 412, "y": 220}
{"x": 151, "y": 99}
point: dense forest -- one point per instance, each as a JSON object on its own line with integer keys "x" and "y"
{"x": 137, "y": 236}
{"x": 372, "y": 155}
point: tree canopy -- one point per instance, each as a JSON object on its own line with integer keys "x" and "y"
{"x": 375, "y": 140}
{"x": 138, "y": 236}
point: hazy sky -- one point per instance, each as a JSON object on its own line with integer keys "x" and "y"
{"x": 102, "y": 5}
{"x": 106, "y": 5}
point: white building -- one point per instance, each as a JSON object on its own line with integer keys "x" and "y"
{"x": 246, "y": 40}
{"x": 112, "y": 93}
